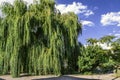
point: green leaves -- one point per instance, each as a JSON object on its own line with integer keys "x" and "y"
{"x": 107, "y": 39}
{"x": 7, "y": 8}
{"x": 35, "y": 39}
{"x": 20, "y": 7}
{"x": 89, "y": 58}
{"x": 94, "y": 58}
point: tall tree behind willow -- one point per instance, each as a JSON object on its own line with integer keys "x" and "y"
{"x": 37, "y": 39}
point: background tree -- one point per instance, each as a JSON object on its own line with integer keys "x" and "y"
{"x": 107, "y": 39}
{"x": 90, "y": 58}
{"x": 92, "y": 41}
{"x": 94, "y": 58}
{"x": 116, "y": 51}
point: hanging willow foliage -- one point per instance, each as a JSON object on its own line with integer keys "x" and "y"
{"x": 36, "y": 39}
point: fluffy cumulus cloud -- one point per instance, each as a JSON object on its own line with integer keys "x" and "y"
{"x": 105, "y": 46}
{"x": 76, "y": 7}
{"x": 117, "y": 34}
{"x": 112, "y": 18}
{"x": 87, "y": 23}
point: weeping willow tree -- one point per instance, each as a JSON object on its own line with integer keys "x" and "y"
{"x": 37, "y": 39}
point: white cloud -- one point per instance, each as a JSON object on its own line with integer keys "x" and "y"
{"x": 87, "y": 23}
{"x": 105, "y": 46}
{"x": 88, "y": 12}
{"x": 117, "y": 34}
{"x": 76, "y": 7}
{"x": 112, "y": 18}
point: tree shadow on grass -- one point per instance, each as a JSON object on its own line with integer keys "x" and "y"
{"x": 65, "y": 78}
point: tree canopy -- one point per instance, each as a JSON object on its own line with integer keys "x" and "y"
{"x": 36, "y": 38}
{"x": 95, "y": 58}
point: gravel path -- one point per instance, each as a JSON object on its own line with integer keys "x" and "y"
{"x": 65, "y": 77}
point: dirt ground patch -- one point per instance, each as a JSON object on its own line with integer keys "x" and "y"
{"x": 64, "y": 77}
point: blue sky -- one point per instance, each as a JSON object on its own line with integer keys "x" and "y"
{"x": 104, "y": 19}
{"x": 98, "y": 17}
